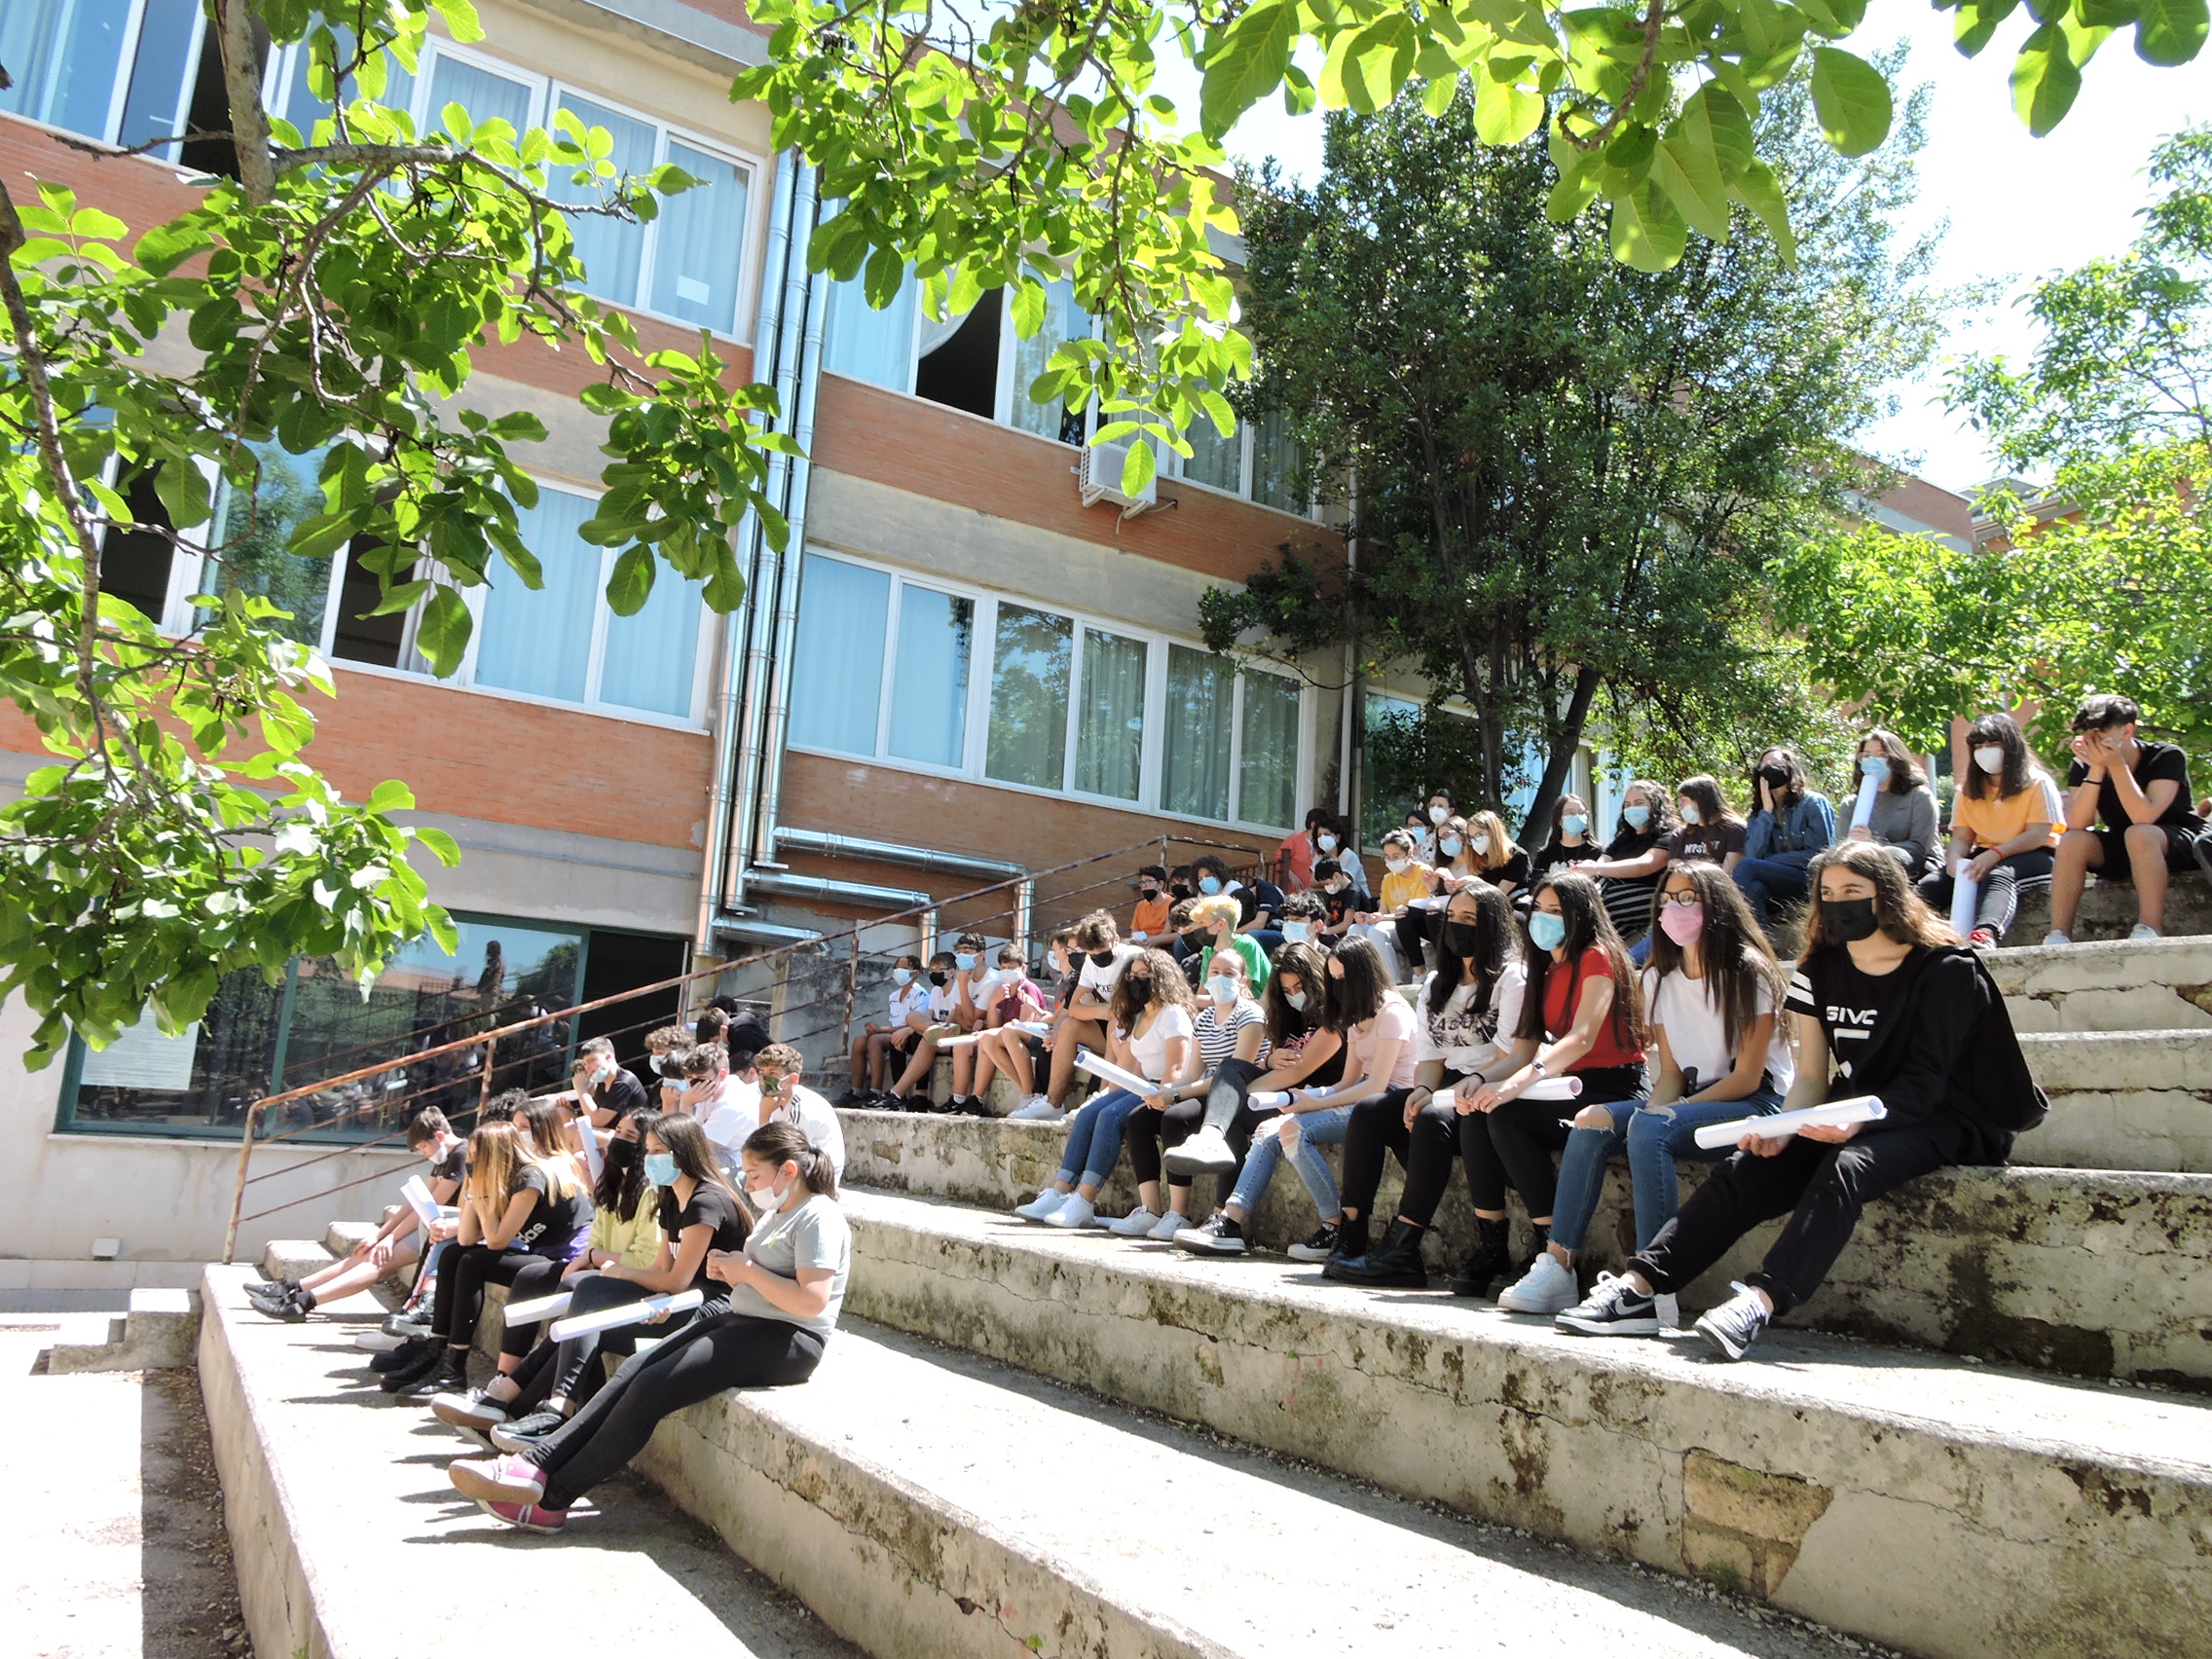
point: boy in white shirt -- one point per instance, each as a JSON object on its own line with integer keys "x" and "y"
{"x": 784, "y": 1099}
{"x": 906, "y": 1016}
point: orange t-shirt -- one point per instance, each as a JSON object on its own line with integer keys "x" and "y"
{"x": 1150, "y": 919}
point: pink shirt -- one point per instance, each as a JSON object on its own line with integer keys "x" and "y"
{"x": 1395, "y": 1019}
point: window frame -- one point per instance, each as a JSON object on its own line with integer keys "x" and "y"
{"x": 981, "y": 673}
{"x": 119, "y": 93}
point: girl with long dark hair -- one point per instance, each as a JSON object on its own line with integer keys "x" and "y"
{"x": 1791, "y": 823}
{"x": 2006, "y": 820}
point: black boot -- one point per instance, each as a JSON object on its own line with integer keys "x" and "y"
{"x": 402, "y": 1356}
{"x": 1351, "y": 1241}
{"x": 448, "y": 1373}
{"x": 1396, "y": 1261}
{"x": 1489, "y": 1260}
{"x": 416, "y": 1369}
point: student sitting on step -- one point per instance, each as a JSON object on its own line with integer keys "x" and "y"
{"x": 1150, "y": 1025}
{"x": 1229, "y": 1028}
{"x": 1468, "y": 1009}
{"x": 1303, "y": 1050}
{"x": 1018, "y": 1053}
{"x": 913, "y": 1089}
{"x": 785, "y": 1290}
{"x": 2005, "y": 820}
{"x": 2140, "y": 794}
{"x": 1101, "y": 956}
{"x": 1012, "y": 996}
{"x": 1405, "y": 883}
{"x": 1887, "y": 998}
{"x": 1712, "y": 1001}
{"x": 880, "y": 1046}
{"x": 431, "y": 1138}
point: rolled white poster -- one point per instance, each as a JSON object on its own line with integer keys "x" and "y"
{"x": 1554, "y": 1088}
{"x": 590, "y": 1139}
{"x": 1862, "y": 811}
{"x": 1965, "y": 900}
{"x": 1836, "y": 1114}
{"x": 1269, "y": 1099}
{"x": 417, "y": 1192}
{"x": 538, "y": 1308}
{"x": 1106, "y": 1071}
{"x": 629, "y": 1313}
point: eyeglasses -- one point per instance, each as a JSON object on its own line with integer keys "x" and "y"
{"x": 1685, "y": 900}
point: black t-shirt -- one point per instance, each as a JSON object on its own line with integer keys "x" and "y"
{"x": 552, "y": 1222}
{"x": 2153, "y": 761}
{"x": 1340, "y": 906}
{"x": 619, "y": 1092}
{"x": 710, "y": 1207}
{"x": 1513, "y": 873}
{"x": 1553, "y": 854}
{"x": 1632, "y": 843}
{"x": 1704, "y": 843}
{"x": 454, "y": 1166}
{"x": 1848, "y": 1004}
{"x": 1253, "y": 896}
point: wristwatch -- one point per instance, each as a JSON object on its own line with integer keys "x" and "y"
{"x": 1537, "y": 1065}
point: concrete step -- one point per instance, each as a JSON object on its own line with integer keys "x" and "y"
{"x": 342, "y": 1237}
{"x": 1959, "y": 1511}
{"x": 2108, "y": 912}
{"x": 337, "y": 1507}
{"x": 2090, "y": 1272}
{"x": 293, "y": 1258}
{"x": 2157, "y": 985}
{"x": 2122, "y": 1100}
{"x": 158, "y": 1333}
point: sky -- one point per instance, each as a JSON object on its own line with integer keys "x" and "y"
{"x": 2017, "y": 206}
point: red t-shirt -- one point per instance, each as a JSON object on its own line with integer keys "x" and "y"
{"x": 1294, "y": 859}
{"x": 1563, "y": 994}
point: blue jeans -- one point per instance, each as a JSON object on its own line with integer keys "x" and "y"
{"x": 1764, "y": 881}
{"x": 1316, "y": 1129}
{"x": 1094, "y": 1138}
{"x": 1655, "y": 1136}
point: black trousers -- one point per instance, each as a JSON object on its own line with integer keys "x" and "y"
{"x": 732, "y": 1350}
{"x": 1424, "y": 1152}
{"x": 571, "y": 1370}
{"x": 1821, "y": 1188}
{"x": 462, "y": 1274}
{"x": 1148, "y": 1133}
{"x": 1526, "y": 1133}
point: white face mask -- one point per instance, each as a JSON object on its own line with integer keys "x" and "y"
{"x": 1438, "y": 814}
{"x": 1221, "y": 991}
{"x": 1481, "y": 846}
{"x": 1328, "y": 844}
{"x": 1396, "y": 867}
{"x": 764, "y": 1198}
{"x": 1691, "y": 815}
{"x": 1990, "y": 757}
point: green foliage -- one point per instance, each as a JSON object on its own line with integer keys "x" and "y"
{"x": 333, "y": 307}
{"x": 1571, "y": 474}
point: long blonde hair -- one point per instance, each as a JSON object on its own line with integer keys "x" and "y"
{"x": 497, "y": 1155}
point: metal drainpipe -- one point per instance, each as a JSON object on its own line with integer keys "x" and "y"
{"x": 817, "y": 305}
{"x": 787, "y": 270}
{"x": 826, "y": 845}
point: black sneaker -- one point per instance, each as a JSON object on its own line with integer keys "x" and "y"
{"x": 1613, "y": 1308}
{"x": 407, "y": 1353}
{"x": 525, "y": 1433}
{"x": 281, "y": 1304}
{"x": 1218, "y": 1235}
{"x": 269, "y": 1287}
{"x": 416, "y": 1369}
{"x": 449, "y": 1375}
{"x": 1318, "y": 1248}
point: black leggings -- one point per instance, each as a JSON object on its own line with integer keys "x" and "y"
{"x": 460, "y": 1300}
{"x": 1424, "y": 1152}
{"x": 732, "y": 1350}
{"x": 571, "y": 1371}
{"x": 1524, "y": 1133}
{"x": 1821, "y": 1188}
{"x": 1148, "y": 1133}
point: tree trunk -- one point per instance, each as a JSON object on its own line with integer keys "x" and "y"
{"x": 235, "y": 27}
{"x": 1558, "y": 766}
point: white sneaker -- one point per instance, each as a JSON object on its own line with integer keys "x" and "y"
{"x": 1547, "y": 1287}
{"x": 1137, "y": 1224}
{"x": 1204, "y": 1153}
{"x": 1670, "y": 1310}
{"x": 1042, "y": 1205}
{"x": 2054, "y": 937}
{"x": 1038, "y": 1110}
{"x": 1170, "y": 1224}
{"x": 2143, "y": 931}
{"x": 1077, "y": 1212}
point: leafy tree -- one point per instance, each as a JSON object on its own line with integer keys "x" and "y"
{"x": 1565, "y": 476}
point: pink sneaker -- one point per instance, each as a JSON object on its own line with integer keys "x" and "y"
{"x": 511, "y": 1480}
{"x": 526, "y": 1516}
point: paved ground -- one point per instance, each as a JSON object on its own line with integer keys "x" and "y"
{"x": 112, "y": 1545}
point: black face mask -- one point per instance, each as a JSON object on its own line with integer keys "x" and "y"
{"x": 1102, "y": 959}
{"x": 939, "y": 979}
{"x": 621, "y": 1154}
{"x": 1460, "y": 939}
{"x": 1181, "y": 890}
{"x": 1776, "y": 777}
{"x": 1148, "y": 894}
{"x": 1848, "y": 919}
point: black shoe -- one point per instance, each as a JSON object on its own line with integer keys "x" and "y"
{"x": 285, "y": 1305}
{"x": 405, "y": 1354}
{"x": 1489, "y": 1260}
{"x": 971, "y": 1105}
{"x": 416, "y": 1369}
{"x": 447, "y": 1374}
{"x": 525, "y": 1433}
{"x": 1318, "y": 1248}
{"x": 1351, "y": 1240}
{"x": 1217, "y": 1235}
{"x": 1396, "y": 1261}
{"x": 269, "y": 1287}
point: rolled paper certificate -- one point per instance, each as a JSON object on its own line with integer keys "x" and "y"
{"x": 591, "y": 1148}
{"x": 1554, "y": 1088}
{"x": 629, "y": 1313}
{"x": 1106, "y": 1071}
{"x": 417, "y": 1193}
{"x": 1965, "y": 901}
{"x": 1836, "y": 1114}
{"x": 538, "y": 1308}
{"x": 1269, "y": 1099}
{"x": 1864, "y": 811}
{"x": 967, "y": 1041}
{"x": 1035, "y": 1027}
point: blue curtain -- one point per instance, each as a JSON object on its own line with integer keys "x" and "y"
{"x": 540, "y": 640}
{"x": 651, "y": 659}
{"x": 1199, "y": 692}
{"x": 65, "y": 55}
{"x": 838, "y": 663}
{"x": 929, "y": 677}
{"x": 701, "y": 251}
{"x": 613, "y": 250}
{"x": 870, "y": 345}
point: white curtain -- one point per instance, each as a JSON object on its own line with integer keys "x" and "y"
{"x": 486, "y": 97}
{"x": 63, "y": 56}
{"x": 1199, "y": 692}
{"x": 838, "y": 663}
{"x": 539, "y": 640}
{"x": 870, "y": 345}
{"x": 1064, "y": 321}
{"x": 929, "y": 677}
{"x": 1215, "y": 460}
{"x": 651, "y": 660}
{"x": 613, "y": 250}
{"x": 1267, "y": 765}
{"x": 1029, "y": 698}
{"x": 1109, "y": 730}
{"x": 698, "y": 257}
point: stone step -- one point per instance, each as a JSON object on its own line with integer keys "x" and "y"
{"x": 2109, "y": 911}
{"x": 158, "y": 1333}
{"x": 2156, "y": 986}
{"x": 2090, "y": 1273}
{"x": 293, "y": 1259}
{"x": 1958, "y": 1511}
{"x": 2122, "y": 1100}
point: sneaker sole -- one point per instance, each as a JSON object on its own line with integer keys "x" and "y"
{"x": 511, "y": 1444}
{"x": 1305, "y": 1253}
{"x": 469, "y": 1483}
{"x": 459, "y": 1418}
{"x": 1644, "y": 1326}
{"x": 1198, "y": 1244}
{"x": 1720, "y": 1345}
{"x": 1551, "y": 1312}
{"x": 1187, "y": 1167}
{"x": 519, "y": 1525}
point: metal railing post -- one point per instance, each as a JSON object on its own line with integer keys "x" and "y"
{"x": 238, "y": 1197}
{"x": 484, "y": 1089}
{"x": 852, "y": 989}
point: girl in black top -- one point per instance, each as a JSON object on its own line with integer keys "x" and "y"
{"x": 1886, "y": 995}
{"x": 1568, "y": 842}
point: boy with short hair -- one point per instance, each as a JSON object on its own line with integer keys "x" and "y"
{"x": 2140, "y": 794}
{"x": 784, "y": 1099}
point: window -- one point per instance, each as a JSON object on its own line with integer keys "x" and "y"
{"x": 109, "y": 69}
{"x": 688, "y": 264}
{"x": 1012, "y": 692}
{"x": 1260, "y": 460}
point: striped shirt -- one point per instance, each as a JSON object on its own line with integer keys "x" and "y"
{"x": 1217, "y": 1033}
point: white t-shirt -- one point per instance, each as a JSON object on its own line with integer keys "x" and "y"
{"x": 817, "y": 1120}
{"x": 941, "y": 1003}
{"x": 1150, "y": 1048}
{"x": 1100, "y": 982}
{"x": 1218, "y": 1031}
{"x": 1697, "y": 1036}
{"x": 910, "y": 998}
{"x": 1467, "y": 1039}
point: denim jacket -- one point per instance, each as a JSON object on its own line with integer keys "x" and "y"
{"x": 1802, "y": 831}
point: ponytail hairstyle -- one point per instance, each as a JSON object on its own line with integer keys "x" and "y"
{"x": 1739, "y": 961}
{"x": 1587, "y": 928}
{"x": 1899, "y": 911}
{"x": 622, "y": 1190}
{"x": 495, "y": 1161}
{"x": 780, "y": 1144}
{"x": 686, "y": 1139}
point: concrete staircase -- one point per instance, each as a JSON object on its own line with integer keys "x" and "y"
{"x": 296, "y": 1258}
{"x": 158, "y": 1332}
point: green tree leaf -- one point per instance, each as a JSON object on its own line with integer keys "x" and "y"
{"x": 631, "y": 582}
{"x": 2170, "y": 32}
{"x": 1852, "y": 100}
{"x": 442, "y": 635}
{"x": 1245, "y": 64}
{"x": 2045, "y": 79}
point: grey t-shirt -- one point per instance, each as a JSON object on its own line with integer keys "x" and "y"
{"x": 815, "y": 1235}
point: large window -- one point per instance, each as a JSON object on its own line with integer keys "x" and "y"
{"x": 1014, "y": 692}
{"x": 121, "y": 71}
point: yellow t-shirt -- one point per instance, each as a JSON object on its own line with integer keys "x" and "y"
{"x": 1404, "y": 887}
{"x": 1993, "y": 821}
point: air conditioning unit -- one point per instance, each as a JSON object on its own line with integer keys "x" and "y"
{"x": 1098, "y": 478}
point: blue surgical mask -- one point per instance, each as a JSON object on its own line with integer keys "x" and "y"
{"x": 901, "y": 975}
{"x": 965, "y": 960}
{"x": 660, "y": 1169}
{"x": 1546, "y": 929}
{"x": 1328, "y": 844}
{"x": 1691, "y": 815}
{"x": 1449, "y": 846}
{"x": 1875, "y": 766}
{"x": 1574, "y": 824}
{"x": 1297, "y": 933}
{"x": 1209, "y": 884}
{"x": 1636, "y": 816}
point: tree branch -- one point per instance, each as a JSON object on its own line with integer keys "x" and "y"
{"x": 233, "y": 22}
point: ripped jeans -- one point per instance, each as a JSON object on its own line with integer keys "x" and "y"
{"x": 1655, "y": 1137}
